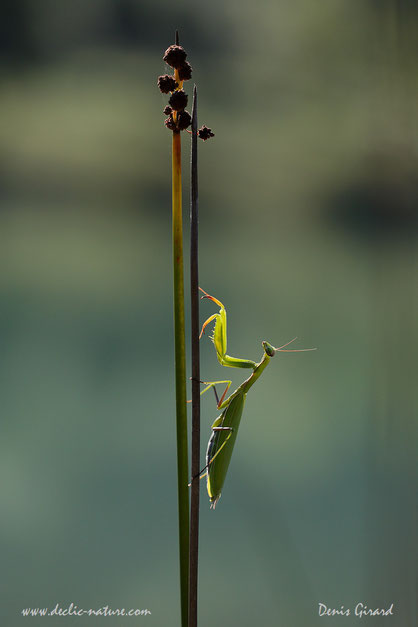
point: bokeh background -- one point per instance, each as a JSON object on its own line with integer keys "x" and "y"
{"x": 308, "y": 227}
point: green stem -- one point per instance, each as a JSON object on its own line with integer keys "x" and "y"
{"x": 180, "y": 369}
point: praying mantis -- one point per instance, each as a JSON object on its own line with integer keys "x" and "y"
{"x": 225, "y": 428}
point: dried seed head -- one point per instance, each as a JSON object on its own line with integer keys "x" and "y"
{"x": 168, "y": 110}
{"x": 175, "y": 56}
{"x": 170, "y": 124}
{"x": 205, "y": 132}
{"x": 185, "y": 71}
{"x": 178, "y": 100}
{"x": 167, "y": 83}
{"x": 184, "y": 119}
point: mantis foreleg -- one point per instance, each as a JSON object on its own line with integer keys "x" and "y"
{"x": 219, "y": 337}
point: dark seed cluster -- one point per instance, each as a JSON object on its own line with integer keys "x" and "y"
{"x": 170, "y": 124}
{"x": 175, "y": 56}
{"x": 178, "y": 118}
{"x": 185, "y": 71}
{"x": 178, "y": 100}
{"x": 167, "y": 83}
{"x": 205, "y": 133}
{"x": 184, "y": 119}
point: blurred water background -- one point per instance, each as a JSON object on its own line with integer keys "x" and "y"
{"x": 308, "y": 227}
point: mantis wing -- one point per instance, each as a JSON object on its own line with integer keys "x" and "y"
{"x": 221, "y": 445}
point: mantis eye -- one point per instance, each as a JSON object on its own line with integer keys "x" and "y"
{"x": 269, "y": 349}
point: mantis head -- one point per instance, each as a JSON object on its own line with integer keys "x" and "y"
{"x": 269, "y": 349}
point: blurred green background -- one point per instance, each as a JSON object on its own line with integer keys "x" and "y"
{"x": 308, "y": 227}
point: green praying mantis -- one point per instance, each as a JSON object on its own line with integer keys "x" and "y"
{"x": 225, "y": 428}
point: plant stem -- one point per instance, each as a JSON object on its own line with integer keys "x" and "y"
{"x": 194, "y": 290}
{"x": 180, "y": 370}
